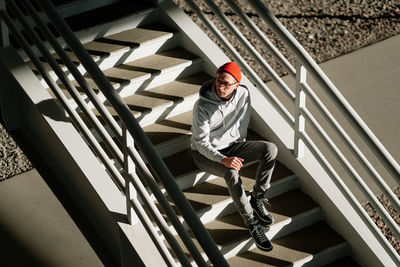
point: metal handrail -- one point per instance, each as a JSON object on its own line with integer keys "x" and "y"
{"x": 305, "y": 59}
{"x": 355, "y": 176}
{"x": 76, "y": 119}
{"x": 63, "y": 100}
{"x": 190, "y": 217}
{"x": 306, "y": 63}
{"x": 104, "y": 113}
{"x": 156, "y": 215}
{"x": 384, "y": 156}
{"x": 242, "y": 63}
{"x": 354, "y": 149}
{"x": 254, "y": 53}
{"x": 4, "y": 38}
{"x": 261, "y": 37}
{"x": 338, "y": 181}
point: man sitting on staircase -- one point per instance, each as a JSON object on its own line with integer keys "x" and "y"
{"x": 220, "y": 120}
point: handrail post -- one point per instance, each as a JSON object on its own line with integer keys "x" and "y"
{"x": 4, "y": 37}
{"x": 129, "y": 166}
{"x": 300, "y": 103}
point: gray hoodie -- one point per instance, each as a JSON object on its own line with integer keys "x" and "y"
{"x": 219, "y": 123}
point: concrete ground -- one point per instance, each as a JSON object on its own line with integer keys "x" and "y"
{"x": 35, "y": 229}
{"x": 369, "y": 79}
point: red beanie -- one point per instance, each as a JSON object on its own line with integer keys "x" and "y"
{"x": 232, "y": 68}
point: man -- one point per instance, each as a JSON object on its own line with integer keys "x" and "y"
{"x": 220, "y": 120}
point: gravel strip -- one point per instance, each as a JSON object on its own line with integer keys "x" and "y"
{"x": 381, "y": 224}
{"x": 12, "y": 160}
{"x": 326, "y": 29}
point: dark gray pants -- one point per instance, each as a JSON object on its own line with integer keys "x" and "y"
{"x": 251, "y": 151}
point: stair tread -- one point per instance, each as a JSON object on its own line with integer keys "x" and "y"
{"x": 230, "y": 228}
{"x": 296, "y": 246}
{"x": 144, "y": 102}
{"x": 145, "y": 67}
{"x": 137, "y": 37}
{"x": 229, "y": 231}
{"x": 100, "y": 47}
{"x": 169, "y": 129}
{"x": 176, "y": 126}
{"x": 122, "y": 75}
{"x": 73, "y": 57}
{"x": 161, "y": 96}
{"x": 92, "y": 84}
{"x": 178, "y": 89}
{"x": 161, "y": 61}
{"x": 120, "y": 42}
{"x": 113, "y": 113}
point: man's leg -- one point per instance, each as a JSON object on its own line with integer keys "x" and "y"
{"x": 233, "y": 182}
{"x": 264, "y": 153}
{"x": 257, "y": 151}
{"x": 238, "y": 195}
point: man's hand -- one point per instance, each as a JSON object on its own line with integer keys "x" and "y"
{"x": 232, "y": 163}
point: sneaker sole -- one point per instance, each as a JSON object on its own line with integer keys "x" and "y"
{"x": 265, "y": 249}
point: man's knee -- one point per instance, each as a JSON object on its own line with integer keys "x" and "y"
{"x": 271, "y": 150}
{"x": 232, "y": 177}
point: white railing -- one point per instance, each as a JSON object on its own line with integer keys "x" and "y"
{"x": 127, "y": 157}
{"x": 302, "y": 116}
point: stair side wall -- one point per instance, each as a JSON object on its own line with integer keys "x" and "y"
{"x": 70, "y": 168}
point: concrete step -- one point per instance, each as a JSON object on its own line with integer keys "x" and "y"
{"x": 163, "y": 67}
{"x": 119, "y": 48}
{"x": 182, "y": 166}
{"x": 171, "y": 136}
{"x": 211, "y": 199}
{"x": 315, "y": 245}
{"x": 151, "y": 71}
{"x": 132, "y": 44}
{"x": 158, "y": 108}
{"x": 168, "y": 99}
{"x": 109, "y": 18}
{"x": 293, "y": 210}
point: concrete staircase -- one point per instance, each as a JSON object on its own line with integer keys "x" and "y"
{"x": 159, "y": 80}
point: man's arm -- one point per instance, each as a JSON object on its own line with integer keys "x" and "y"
{"x": 244, "y": 119}
{"x": 201, "y": 134}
